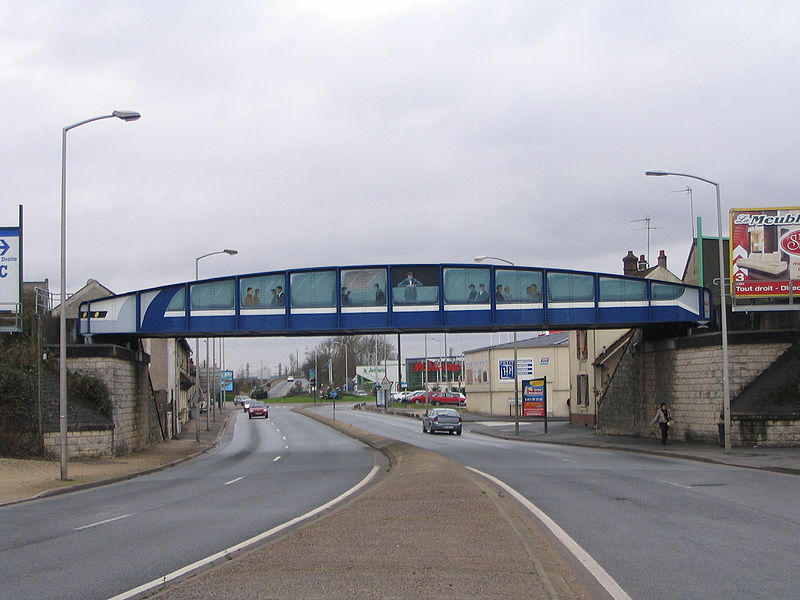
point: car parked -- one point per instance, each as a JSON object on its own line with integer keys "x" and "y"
{"x": 258, "y": 409}
{"x": 419, "y": 397}
{"x": 442, "y": 419}
{"x": 449, "y": 398}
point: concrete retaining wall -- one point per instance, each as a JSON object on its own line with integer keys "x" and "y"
{"x": 133, "y": 410}
{"x": 686, "y": 373}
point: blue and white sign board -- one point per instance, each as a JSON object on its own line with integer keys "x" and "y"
{"x": 506, "y": 369}
{"x": 226, "y": 380}
{"x": 10, "y": 269}
{"x": 524, "y": 368}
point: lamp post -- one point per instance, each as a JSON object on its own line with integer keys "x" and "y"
{"x": 726, "y": 389}
{"x": 441, "y": 352}
{"x": 125, "y": 115}
{"x": 516, "y": 378}
{"x": 344, "y": 388}
{"x": 229, "y": 252}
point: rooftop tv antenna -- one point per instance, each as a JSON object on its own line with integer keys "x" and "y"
{"x": 648, "y": 228}
{"x": 688, "y": 190}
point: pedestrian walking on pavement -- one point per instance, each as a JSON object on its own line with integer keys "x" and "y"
{"x": 664, "y": 420}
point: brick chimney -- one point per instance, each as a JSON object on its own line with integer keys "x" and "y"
{"x": 642, "y": 263}
{"x": 629, "y": 264}
{"x": 662, "y": 259}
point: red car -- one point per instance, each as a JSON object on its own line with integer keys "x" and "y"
{"x": 417, "y": 398}
{"x": 448, "y": 398}
{"x": 258, "y": 409}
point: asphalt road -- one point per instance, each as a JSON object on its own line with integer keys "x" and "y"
{"x": 281, "y": 388}
{"x": 662, "y": 528}
{"x": 103, "y": 541}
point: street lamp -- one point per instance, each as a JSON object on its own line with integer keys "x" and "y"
{"x": 726, "y": 389}
{"x": 441, "y": 354}
{"x": 344, "y": 388}
{"x": 125, "y": 115}
{"x": 516, "y": 385}
{"x": 229, "y": 252}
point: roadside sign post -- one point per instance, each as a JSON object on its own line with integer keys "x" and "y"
{"x": 534, "y": 398}
{"x": 383, "y": 395}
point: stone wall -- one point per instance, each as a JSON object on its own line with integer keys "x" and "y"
{"x": 686, "y": 373}
{"x": 125, "y": 373}
{"x": 83, "y": 444}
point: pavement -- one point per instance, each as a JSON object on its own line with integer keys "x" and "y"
{"x": 780, "y": 460}
{"x": 397, "y": 538}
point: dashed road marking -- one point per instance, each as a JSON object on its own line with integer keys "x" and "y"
{"x": 103, "y": 522}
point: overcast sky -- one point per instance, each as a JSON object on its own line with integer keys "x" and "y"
{"x": 320, "y": 132}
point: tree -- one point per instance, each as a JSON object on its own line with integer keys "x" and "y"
{"x": 361, "y": 349}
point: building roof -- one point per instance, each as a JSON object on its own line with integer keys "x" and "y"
{"x": 543, "y": 341}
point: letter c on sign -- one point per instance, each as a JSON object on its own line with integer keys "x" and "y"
{"x": 3, "y": 270}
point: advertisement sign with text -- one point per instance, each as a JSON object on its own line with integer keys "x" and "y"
{"x": 765, "y": 252}
{"x": 226, "y": 380}
{"x": 534, "y": 397}
{"x": 9, "y": 268}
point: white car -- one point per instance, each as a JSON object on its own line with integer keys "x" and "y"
{"x": 240, "y": 399}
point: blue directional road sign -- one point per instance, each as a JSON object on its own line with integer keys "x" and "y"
{"x": 506, "y": 369}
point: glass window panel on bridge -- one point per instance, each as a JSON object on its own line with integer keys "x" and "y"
{"x": 517, "y": 288}
{"x": 313, "y": 291}
{"x": 363, "y": 290}
{"x": 467, "y": 288}
{"x": 262, "y": 294}
{"x": 570, "y": 288}
{"x": 667, "y": 291}
{"x": 618, "y": 290}
{"x": 178, "y": 302}
{"x": 415, "y": 288}
{"x": 213, "y": 296}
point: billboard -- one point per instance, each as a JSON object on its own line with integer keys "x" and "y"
{"x": 10, "y": 269}
{"x": 226, "y": 380}
{"x": 534, "y": 397}
{"x": 765, "y": 252}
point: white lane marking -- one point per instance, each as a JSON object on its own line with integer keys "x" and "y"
{"x": 276, "y": 459}
{"x": 286, "y": 446}
{"x": 598, "y": 572}
{"x": 234, "y": 480}
{"x": 242, "y": 545}
{"x": 103, "y": 522}
{"x": 284, "y": 438}
{"x": 686, "y": 487}
{"x": 278, "y": 430}
{"x": 567, "y": 460}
